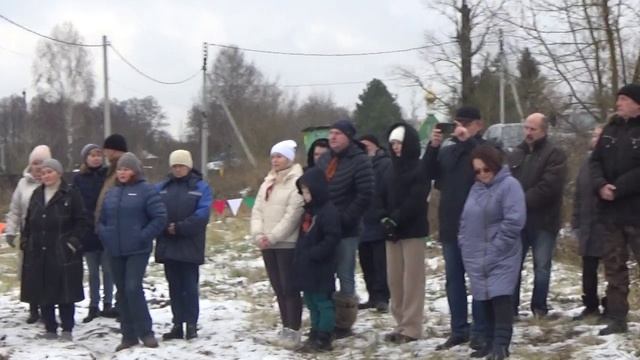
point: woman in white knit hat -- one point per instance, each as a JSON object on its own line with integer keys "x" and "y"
{"x": 180, "y": 247}
{"x": 18, "y": 209}
{"x": 275, "y": 222}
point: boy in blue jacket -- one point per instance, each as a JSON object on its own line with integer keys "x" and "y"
{"x": 315, "y": 263}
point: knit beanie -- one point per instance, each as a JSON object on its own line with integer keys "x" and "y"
{"x": 87, "y": 149}
{"x": 130, "y": 161}
{"x": 632, "y": 91}
{"x": 115, "y": 142}
{"x": 286, "y": 148}
{"x": 54, "y": 165}
{"x": 181, "y": 157}
{"x": 40, "y": 152}
{"x": 397, "y": 134}
{"x": 467, "y": 114}
{"x": 346, "y": 127}
{"x": 370, "y": 138}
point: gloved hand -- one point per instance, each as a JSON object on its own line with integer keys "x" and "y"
{"x": 390, "y": 228}
{"x": 11, "y": 240}
{"x": 74, "y": 245}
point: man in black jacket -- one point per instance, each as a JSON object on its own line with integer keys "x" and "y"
{"x": 350, "y": 176}
{"x": 541, "y": 168}
{"x": 615, "y": 175}
{"x": 371, "y": 251}
{"x": 450, "y": 166}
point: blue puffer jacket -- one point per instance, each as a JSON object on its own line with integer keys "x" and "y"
{"x": 493, "y": 217}
{"x": 132, "y": 215}
{"x": 188, "y": 201}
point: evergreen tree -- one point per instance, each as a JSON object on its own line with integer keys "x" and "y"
{"x": 377, "y": 110}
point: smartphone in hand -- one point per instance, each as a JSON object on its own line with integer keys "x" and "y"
{"x": 446, "y": 128}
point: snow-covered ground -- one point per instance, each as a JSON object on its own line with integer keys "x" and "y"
{"x": 238, "y": 317}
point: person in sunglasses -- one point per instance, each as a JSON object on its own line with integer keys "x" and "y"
{"x": 489, "y": 239}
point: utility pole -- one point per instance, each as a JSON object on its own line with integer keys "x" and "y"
{"x": 502, "y": 65}
{"x": 204, "y": 130}
{"x": 107, "y": 105}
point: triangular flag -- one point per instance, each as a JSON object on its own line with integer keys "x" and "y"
{"x": 218, "y": 206}
{"x": 250, "y": 201}
{"x": 234, "y": 204}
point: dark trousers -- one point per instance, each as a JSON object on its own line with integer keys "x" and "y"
{"x": 183, "y": 290}
{"x": 618, "y": 240}
{"x": 499, "y": 320}
{"x": 373, "y": 261}
{"x": 590, "y": 281}
{"x": 67, "y": 311}
{"x": 128, "y": 272}
{"x": 279, "y": 265}
{"x": 322, "y": 311}
{"x": 457, "y": 295}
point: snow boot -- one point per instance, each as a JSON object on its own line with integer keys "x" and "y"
{"x": 346, "y": 314}
{"x": 34, "y": 314}
{"x": 176, "y": 332}
{"x": 192, "y": 331}
{"x": 93, "y": 313}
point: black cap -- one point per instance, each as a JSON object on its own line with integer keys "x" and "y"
{"x": 632, "y": 91}
{"x": 370, "y": 138}
{"x": 468, "y": 114}
{"x": 346, "y": 127}
{"x": 115, "y": 142}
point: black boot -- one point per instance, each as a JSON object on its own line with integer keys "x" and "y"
{"x": 192, "y": 331}
{"x": 34, "y": 315}
{"x": 93, "y": 313}
{"x": 499, "y": 353}
{"x": 322, "y": 342}
{"x": 109, "y": 312}
{"x": 175, "y": 333}
{"x": 616, "y": 326}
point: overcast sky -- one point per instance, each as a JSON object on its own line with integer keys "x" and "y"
{"x": 164, "y": 39}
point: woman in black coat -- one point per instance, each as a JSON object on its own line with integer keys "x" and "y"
{"x": 52, "y": 269}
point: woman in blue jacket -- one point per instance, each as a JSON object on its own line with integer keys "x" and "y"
{"x": 181, "y": 245}
{"x": 489, "y": 239}
{"x": 132, "y": 215}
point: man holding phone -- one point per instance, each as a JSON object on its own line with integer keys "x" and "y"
{"x": 451, "y": 168}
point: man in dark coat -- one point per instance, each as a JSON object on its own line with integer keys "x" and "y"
{"x": 615, "y": 175}
{"x": 371, "y": 251}
{"x": 450, "y": 167}
{"x": 589, "y": 234}
{"x": 350, "y": 176}
{"x": 541, "y": 168}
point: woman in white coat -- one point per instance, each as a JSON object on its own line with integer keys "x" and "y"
{"x": 18, "y": 209}
{"x": 275, "y": 222}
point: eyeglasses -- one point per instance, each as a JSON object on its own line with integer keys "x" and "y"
{"x": 482, "y": 170}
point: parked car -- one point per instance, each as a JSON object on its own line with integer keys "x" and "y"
{"x": 224, "y": 160}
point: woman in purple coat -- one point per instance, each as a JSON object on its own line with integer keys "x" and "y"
{"x": 489, "y": 238}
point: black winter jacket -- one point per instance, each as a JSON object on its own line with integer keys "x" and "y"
{"x": 188, "y": 202}
{"x": 314, "y": 262}
{"x": 89, "y": 182}
{"x": 351, "y": 187}
{"x": 52, "y": 271}
{"x": 542, "y": 174}
{"x": 450, "y": 167}
{"x": 407, "y": 188}
{"x": 616, "y": 161}
{"x": 372, "y": 230}
{"x": 584, "y": 220}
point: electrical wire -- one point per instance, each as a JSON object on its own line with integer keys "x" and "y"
{"x": 368, "y": 53}
{"x": 149, "y": 76}
{"x": 340, "y": 83}
{"x": 70, "y": 43}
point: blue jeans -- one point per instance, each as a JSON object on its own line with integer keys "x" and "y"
{"x": 346, "y": 265}
{"x": 128, "y": 272}
{"x": 542, "y": 244}
{"x": 95, "y": 261}
{"x": 457, "y": 296}
{"x": 183, "y": 290}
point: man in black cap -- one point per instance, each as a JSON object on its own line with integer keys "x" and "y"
{"x": 451, "y": 168}
{"x": 371, "y": 251}
{"x": 350, "y": 176}
{"x": 615, "y": 174}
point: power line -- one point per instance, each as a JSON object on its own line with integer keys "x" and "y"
{"x": 149, "y": 76}
{"x": 368, "y": 53}
{"x": 70, "y": 43}
{"x": 339, "y": 83}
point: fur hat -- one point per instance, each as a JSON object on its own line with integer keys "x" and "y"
{"x": 397, "y": 134}
{"x": 130, "y": 161}
{"x": 40, "y": 152}
{"x": 181, "y": 157}
{"x": 54, "y": 165}
{"x": 115, "y": 142}
{"x": 286, "y": 148}
{"x": 632, "y": 91}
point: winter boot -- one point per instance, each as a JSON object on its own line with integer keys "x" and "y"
{"x": 499, "y": 353}
{"x": 149, "y": 341}
{"x": 192, "y": 331}
{"x": 322, "y": 341}
{"x": 346, "y": 314}
{"x": 616, "y": 326}
{"x": 290, "y": 339}
{"x": 93, "y": 313}
{"x": 126, "y": 343}
{"x": 175, "y": 333}
{"x": 66, "y": 336}
{"x": 109, "y": 312}
{"x": 34, "y": 315}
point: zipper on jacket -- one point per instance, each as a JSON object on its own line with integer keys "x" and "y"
{"x": 117, "y": 216}
{"x": 486, "y": 245}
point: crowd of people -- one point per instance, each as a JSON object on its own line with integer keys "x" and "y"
{"x": 353, "y": 199}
